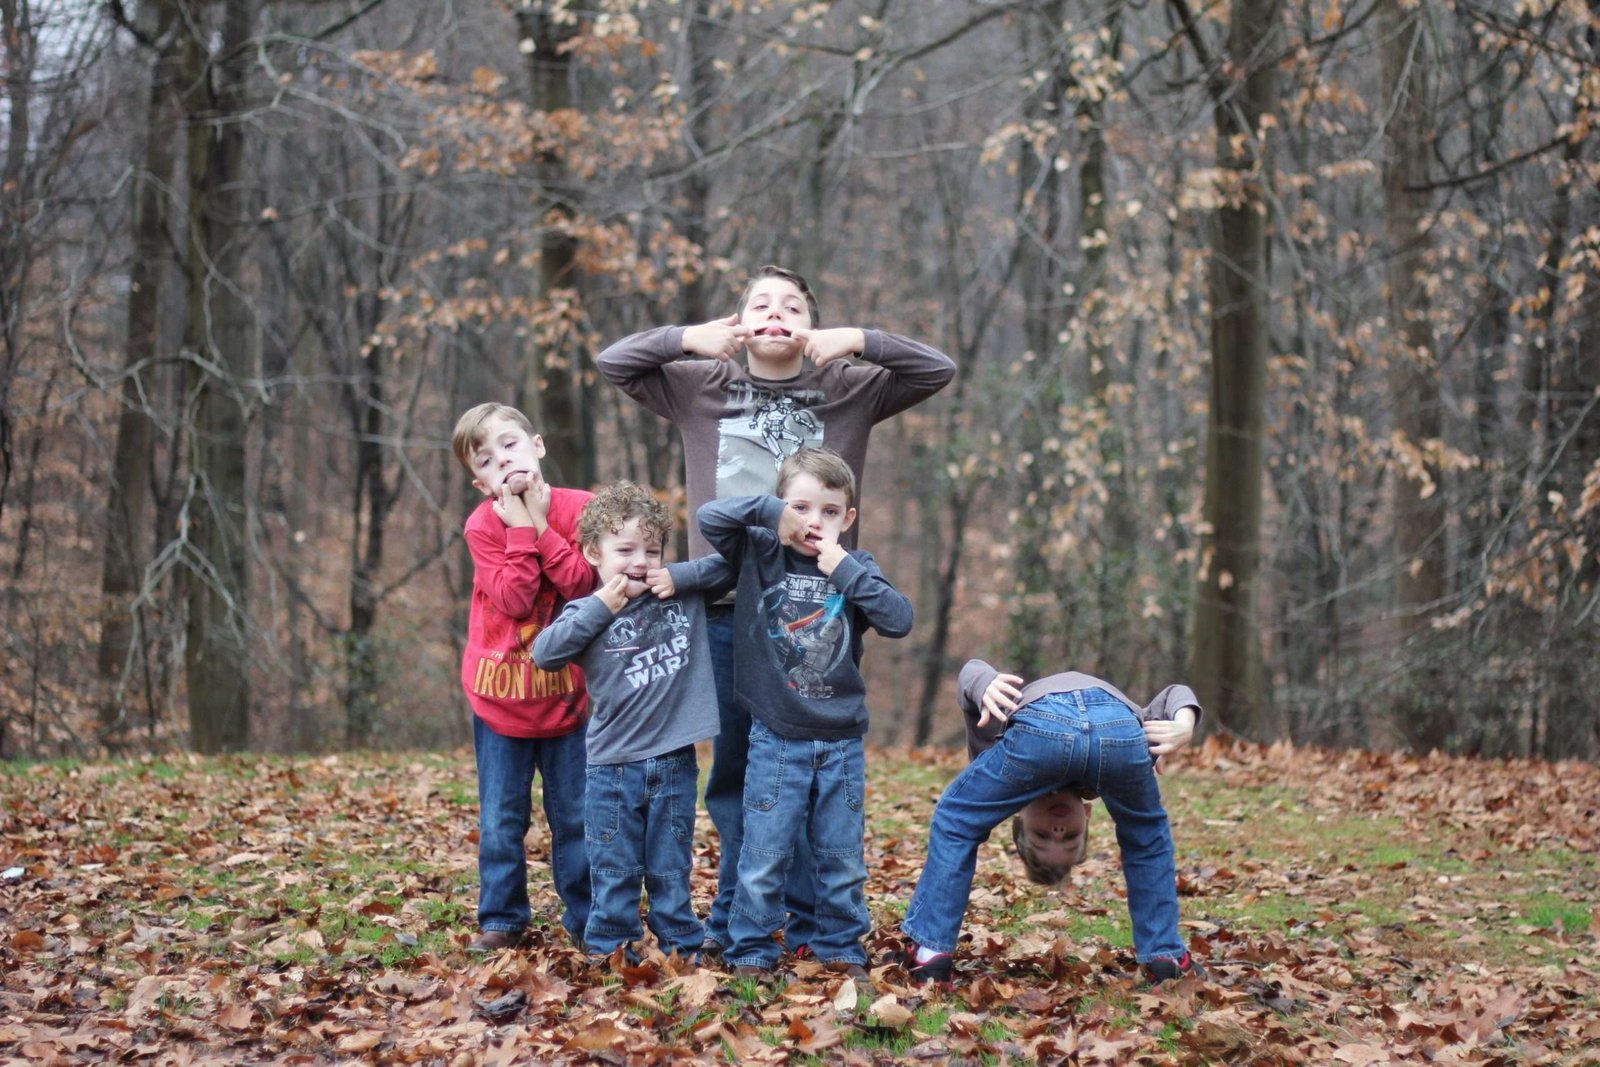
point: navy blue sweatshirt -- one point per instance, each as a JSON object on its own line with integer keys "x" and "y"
{"x": 798, "y": 632}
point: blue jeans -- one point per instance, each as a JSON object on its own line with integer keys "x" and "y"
{"x": 1082, "y": 740}
{"x": 640, "y": 826}
{"x": 818, "y": 787}
{"x": 730, "y": 756}
{"x": 505, "y": 786}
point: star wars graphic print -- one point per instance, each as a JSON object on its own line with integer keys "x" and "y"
{"x": 653, "y": 642}
{"x": 764, "y": 428}
{"x": 809, "y": 631}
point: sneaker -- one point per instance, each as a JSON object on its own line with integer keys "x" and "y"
{"x": 938, "y": 972}
{"x": 1164, "y": 969}
{"x": 489, "y": 941}
{"x": 803, "y": 954}
{"x": 612, "y": 962}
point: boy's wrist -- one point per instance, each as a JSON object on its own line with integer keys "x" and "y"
{"x": 685, "y": 337}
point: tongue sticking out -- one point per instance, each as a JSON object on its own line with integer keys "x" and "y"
{"x": 773, "y": 331}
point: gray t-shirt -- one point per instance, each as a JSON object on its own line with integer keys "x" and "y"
{"x": 648, "y": 667}
{"x": 737, "y": 428}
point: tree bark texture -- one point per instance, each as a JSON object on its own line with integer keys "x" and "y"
{"x": 129, "y": 502}
{"x": 1420, "y": 713}
{"x": 218, "y": 340}
{"x": 553, "y": 384}
{"x": 20, "y": 46}
{"x": 1226, "y": 661}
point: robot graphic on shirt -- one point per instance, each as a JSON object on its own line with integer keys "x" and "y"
{"x": 809, "y": 646}
{"x": 761, "y": 429}
{"x": 785, "y": 426}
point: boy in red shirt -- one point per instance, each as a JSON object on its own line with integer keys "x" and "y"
{"x": 525, "y": 566}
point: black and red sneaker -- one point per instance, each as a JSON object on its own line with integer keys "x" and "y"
{"x": 938, "y": 972}
{"x": 1165, "y": 969}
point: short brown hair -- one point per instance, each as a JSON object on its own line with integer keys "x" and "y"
{"x": 1040, "y": 873}
{"x": 469, "y": 432}
{"x": 771, "y": 270}
{"x": 613, "y": 507}
{"x": 823, "y": 464}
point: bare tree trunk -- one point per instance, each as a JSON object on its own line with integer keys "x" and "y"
{"x": 553, "y": 387}
{"x": 1419, "y": 533}
{"x": 374, "y": 496}
{"x": 129, "y": 502}
{"x": 958, "y": 483}
{"x": 20, "y": 42}
{"x": 217, "y": 659}
{"x": 304, "y": 731}
{"x": 1118, "y": 538}
{"x": 1574, "y": 429}
{"x": 1225, "y": 659}
{"x": 1034, "y": 599}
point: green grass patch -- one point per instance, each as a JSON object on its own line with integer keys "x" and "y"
{"x": 1556, "y": 913}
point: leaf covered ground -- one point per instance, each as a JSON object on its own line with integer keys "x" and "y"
{"x": 1352, "y": 908}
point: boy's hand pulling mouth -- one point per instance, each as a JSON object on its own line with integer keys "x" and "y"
{"x": 659, "y": 579}
{"x": 839, "y": 342}
{"x": 791, "y": 528}
{"x": 717, "y": 339}
{"x": 614, "y": 594}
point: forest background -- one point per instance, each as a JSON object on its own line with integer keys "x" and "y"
{"x": 1278, "y": 338}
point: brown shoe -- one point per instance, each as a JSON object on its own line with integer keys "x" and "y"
{"x": 494, "y": 941}
{"x": 760, "y": 974}
{"x": 849, "y": 970}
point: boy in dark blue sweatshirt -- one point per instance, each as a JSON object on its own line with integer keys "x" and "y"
{"x": 803, "y": 604}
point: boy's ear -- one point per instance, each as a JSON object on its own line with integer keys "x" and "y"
{"x": 592, "y": 554}
{"x": 849, "y": 520}
{"x": 538, "y": 446}
{"x": 480, "y": 487}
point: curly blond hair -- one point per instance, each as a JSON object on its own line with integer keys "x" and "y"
{"x": 613, "y": 507}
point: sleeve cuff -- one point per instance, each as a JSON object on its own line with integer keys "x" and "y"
{"x": 524, "y": 537}
{"x": 871, "y": 345}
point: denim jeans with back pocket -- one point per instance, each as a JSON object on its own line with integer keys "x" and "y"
{"x": 1085, "y": 740}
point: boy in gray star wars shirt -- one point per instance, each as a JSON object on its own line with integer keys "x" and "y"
{"x": 641, "y": 640}
{"x": 802, "y": 605}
